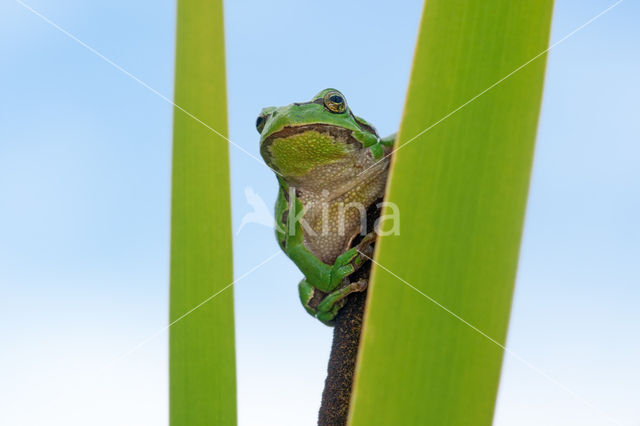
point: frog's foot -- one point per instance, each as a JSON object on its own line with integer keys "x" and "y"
{"x": 331, "y": 304}
{"x": 328, "y": 308}
{"x": 351, "y": 260}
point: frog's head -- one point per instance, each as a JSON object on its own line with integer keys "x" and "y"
{"x": 297, "y": 138}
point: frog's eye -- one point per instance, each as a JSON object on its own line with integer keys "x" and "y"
{"x": 334, "y": 102}
{"x": 260, "y": 123}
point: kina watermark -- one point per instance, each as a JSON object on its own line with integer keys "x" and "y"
{"x": 322, "y": 215}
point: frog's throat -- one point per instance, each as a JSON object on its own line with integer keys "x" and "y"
{"x": 325, "y": 143}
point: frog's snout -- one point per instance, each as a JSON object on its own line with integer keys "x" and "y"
{"x": 260, "y": 123}
{"x": 263, "y": 117}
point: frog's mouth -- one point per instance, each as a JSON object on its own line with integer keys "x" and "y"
{"x": 295, "y": 149}
{"x": 338, "y": 134}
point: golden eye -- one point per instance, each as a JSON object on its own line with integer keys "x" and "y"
{"x": 334, "y": 101}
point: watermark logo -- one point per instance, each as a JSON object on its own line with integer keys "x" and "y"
{"x": 261, "y": 214}
{"x": 327, "y": 213}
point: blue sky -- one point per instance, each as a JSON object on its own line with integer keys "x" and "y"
{"x": 84, "y": 209}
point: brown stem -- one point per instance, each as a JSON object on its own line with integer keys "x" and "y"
{"x": 342, "y": 362}
{"x": 336, "y": 396}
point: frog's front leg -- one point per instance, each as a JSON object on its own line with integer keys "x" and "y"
{"x": 328, "y": 308}
{"x": 320, "y": 275}
{"x": 346, "y": 264}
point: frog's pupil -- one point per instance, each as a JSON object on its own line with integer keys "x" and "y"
{"x": 336, "y": 99}
{"x": 259, "y": 121}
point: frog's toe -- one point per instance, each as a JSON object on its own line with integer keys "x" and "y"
{"x": 360, "y": 285}
{"x": 365, "y": 246}
{"x": 327, "y": 318}
{"x": 336, "y": 300}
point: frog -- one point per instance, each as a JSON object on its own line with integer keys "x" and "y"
{"x": 331, "y": 167}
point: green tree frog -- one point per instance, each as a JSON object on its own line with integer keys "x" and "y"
{"x": 331, "y": 167}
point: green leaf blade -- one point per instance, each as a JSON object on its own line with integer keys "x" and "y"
{"x": 461, "y": 186}
{"x": 201, "y": 343}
